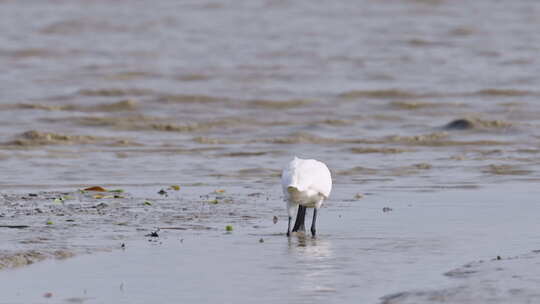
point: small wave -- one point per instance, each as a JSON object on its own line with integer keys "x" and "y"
{"x": 131, "y": 75}
{"x": 142, "y": 122}
{"x": 477, "y": 123}
{"x": 440, "y": 139}
{"x": 29, "y": 53}
{"x": 505, "y": 170}
{"x": 213, "y": 141}
{"x": 418, "y": 42}
{"x": 302, "y": 138}
{"x": 192, "y": 77}
{"x": 243, "y": 154}
{"x": 186, "y": 98}
{"x": 76, "y": 26}
{"x": 36, "y": 138}
{"x": 335, "y": 122}
{"x": 33, "y": 106}
{"x": 275, "y": 104}
{"x": 461, "y": 31}
{"x": 504, "y": 92}
{"x": 122, "y": 105}
{"x": 259, "y": 172}
{"x": 357, "y": 171}
{"x": 419, "y": 138}
{"x": 382, "y": 94}
{"x": 251, "y": 172}
{"x": 115, "y": 92}
{"x": 378, "y": 150}
{"x": 398, "y": 171}
{"x": 418, "y": 105}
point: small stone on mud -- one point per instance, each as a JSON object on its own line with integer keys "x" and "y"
{"x": 48, "y": 295}
{"x": 459, "y": 124}
{"x": 275, "y": 219}
{"x": 95, "y": 188}
{"x": 498, "y": 258}
{"x": 387, "y": 209}
{"x": 101, "y": 206}
{"x": 123, "y": 246}
{"x": 153, "y": 234}
{"x": 261, "y": 240}
{"x": 162, "y": 192}
{"x": 32, "y": 194}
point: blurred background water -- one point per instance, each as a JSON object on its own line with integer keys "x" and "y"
{"x": 223, "y": 92}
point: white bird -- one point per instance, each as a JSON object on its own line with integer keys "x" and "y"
{"x": 306, "y": 184}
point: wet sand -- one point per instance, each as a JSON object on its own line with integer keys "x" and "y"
{"x": 430, "y": 247}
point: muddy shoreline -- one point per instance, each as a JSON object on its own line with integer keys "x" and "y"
{"x": 398, "y": 246}
{"x": 61, "y": 224}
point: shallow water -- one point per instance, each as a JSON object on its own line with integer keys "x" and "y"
{"x": 361, "y": 254}
{"x": 220, "y": 94}
{"x": 139, "y": 90}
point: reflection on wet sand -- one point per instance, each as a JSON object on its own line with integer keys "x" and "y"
{"x": 316, "y": 268}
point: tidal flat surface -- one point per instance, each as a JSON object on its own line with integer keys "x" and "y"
{"x": 458, "y": 245}
{"x": 426, "y": 107}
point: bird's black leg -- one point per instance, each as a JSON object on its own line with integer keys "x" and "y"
{"x": 300, "y": 219}
{"x": 313, "y": 230}
{"x": 289, "y": 226}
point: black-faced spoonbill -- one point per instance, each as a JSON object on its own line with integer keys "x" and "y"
{"x": 306, "y": 184}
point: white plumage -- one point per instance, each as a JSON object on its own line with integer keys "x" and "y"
{"x": 306, "y": 184}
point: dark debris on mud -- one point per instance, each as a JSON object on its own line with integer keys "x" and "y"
{"x": 41, "y": 225}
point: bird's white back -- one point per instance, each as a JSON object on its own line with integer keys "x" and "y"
{"x": 307, "y": 175}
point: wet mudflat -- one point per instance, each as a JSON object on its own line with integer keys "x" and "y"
{"x": 427, "y": 118}
{"x": 427, "y": 248}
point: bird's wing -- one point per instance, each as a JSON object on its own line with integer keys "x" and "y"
{"x": 319, "y": 177}
{"x": 305, "y": 174}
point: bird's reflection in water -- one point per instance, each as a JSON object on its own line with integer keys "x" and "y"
{"x": 314, "y": 264}
{"x": 308, "y": 246}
